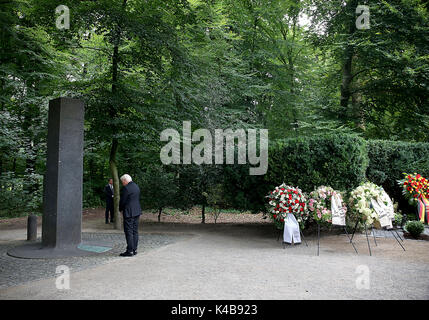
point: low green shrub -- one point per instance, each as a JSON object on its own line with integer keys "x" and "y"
{"x": 415, "y": 228}
{"x": 397, "y": 221}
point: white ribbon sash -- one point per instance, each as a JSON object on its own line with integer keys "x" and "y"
{"x": 385, "y": 211}
{"x": 337, "y": 210}
{"x": 291, "y": 232}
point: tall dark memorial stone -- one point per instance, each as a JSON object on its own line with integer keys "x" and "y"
{"x": 62, "y": 215}
{"x": 62, "y": 198}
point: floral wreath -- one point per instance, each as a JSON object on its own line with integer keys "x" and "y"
{"x": 360, "y": 202}
{"x": 285, "y": 199}
{"x": 414, "y": 187}
{"x": 319, "y": 204}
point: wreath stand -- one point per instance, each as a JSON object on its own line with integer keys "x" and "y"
{"x": 318, "y": 239}
{"x": 393, "y": 231}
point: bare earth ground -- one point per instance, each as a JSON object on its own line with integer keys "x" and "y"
{"x": 170, "y": 215}
{"x": 237, "y": 258}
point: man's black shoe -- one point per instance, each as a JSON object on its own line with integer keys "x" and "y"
{"x": 107, "y": 222}
{"x": 134, "y": 252}
{"x": 126, "y": 254}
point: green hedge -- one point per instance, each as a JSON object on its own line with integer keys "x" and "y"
{"x": 389, "y": 159}
{"x": 337, "y": 160}
{"x": 341, "y": 161}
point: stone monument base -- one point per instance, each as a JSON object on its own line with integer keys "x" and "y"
{"x": 37, "y": 251}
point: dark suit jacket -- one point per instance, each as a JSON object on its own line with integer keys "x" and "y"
{"x": 130, "y": 200}
{"x": 108, "y": 192}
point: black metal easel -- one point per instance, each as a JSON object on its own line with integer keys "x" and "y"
{"x": 393, "y": 231}
{"x": 318, "y": 239}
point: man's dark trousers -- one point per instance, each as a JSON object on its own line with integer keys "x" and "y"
{"x": 109, "y": 209}
{"x": 131, "y": 229}
{"x": 108, "y": 191}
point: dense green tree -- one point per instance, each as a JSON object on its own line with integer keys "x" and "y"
{"x": 382, "y": 71}
{"x": 142, "y": 66}
{"x": 29, "y": 75}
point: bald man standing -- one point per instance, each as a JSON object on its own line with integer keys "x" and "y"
{"x": 131, "y": 211}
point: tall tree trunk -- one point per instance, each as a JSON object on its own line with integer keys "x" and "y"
{"x": 203, "y": 214}
{"x": 113, "y": 113}
{"x": 115, "y": 177}
{"x": 346, "y": 81}
{"x": 115, "y": 144}
{"x": 159, "y": 214}
{"x": 347, "y": 77}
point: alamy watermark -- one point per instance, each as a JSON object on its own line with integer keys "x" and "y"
{"x": 363, "y": 280}
{"x": 62, "y": 282}
{"x": 63, "y": 20}
{"x": 362, "y": 21}
{"x": 202, "y": 153}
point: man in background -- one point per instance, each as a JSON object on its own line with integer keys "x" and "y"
{"x": 131, "y": 211}
{"x": 108, "y": 191}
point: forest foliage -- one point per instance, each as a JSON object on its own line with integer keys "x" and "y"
{"x": 296, "y": 68}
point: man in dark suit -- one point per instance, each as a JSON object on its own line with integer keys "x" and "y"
{"x": 108, "y": 191}
{"x": 131, "y": 211}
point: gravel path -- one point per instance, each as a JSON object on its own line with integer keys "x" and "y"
{"x": 246, "y": 262}
{"x": 14, "y": 271}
